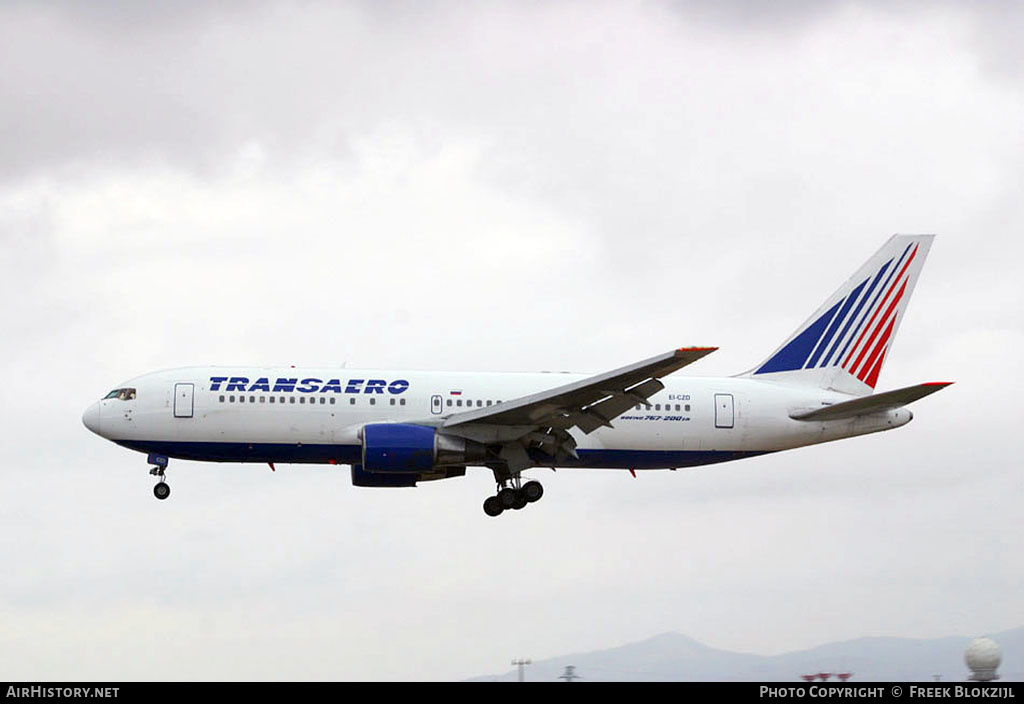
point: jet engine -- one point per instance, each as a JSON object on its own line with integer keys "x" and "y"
{"x": 402, "y": 448}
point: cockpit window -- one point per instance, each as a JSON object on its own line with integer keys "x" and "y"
{"x": 121, "y": 394}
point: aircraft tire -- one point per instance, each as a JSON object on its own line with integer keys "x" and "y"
{"x": 492, "y": 507}
{"x": 521, "y": 500}
{"x": 507, "y": 497}
{"x": 162, "y": 490}
{"x": 533, "y": 491}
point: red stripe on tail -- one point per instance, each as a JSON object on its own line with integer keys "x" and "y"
{"x": 873, "y": 376}
{"x": 877, "y": 309}
{"x": 869, "y": 366}
{"x": 874, "y": 333}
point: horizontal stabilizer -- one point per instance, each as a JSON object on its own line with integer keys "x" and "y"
{"x": 872, "y": 404}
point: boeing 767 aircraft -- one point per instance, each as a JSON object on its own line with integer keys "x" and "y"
{"x": 398, "y": 428}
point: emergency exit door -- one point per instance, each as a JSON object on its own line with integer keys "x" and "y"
{"x": 724, "y": 412}
{"x": 435, "y": 404}
{"x": 183, "y": 400}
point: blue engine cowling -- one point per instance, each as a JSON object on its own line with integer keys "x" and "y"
{"x": 415, "y": 452}
{"x": 399, "y": 447}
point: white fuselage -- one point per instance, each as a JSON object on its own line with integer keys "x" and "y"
{"x": 236, "y": 414}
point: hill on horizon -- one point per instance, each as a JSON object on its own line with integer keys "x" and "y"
{"x": 673, "y": 657}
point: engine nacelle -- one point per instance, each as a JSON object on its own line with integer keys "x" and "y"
{"x": 399, "y": 448}
{"x": 360, "y": 477}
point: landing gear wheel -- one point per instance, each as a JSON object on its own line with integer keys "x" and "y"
{"x": 533, "y": 491}
{"x": 492, "y": 506}
{"x": 162, "y": 491}
{"x": 507, "y": 498}
{"x": 521, "y": 500}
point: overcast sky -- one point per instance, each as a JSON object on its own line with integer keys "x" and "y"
{"x": 498, "y": 186}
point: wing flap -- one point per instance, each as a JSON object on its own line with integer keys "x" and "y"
{"x": 603, "y": 412}
{"x": 872, "y": 404}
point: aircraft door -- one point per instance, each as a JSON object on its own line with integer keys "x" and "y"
{"x": 183, "y": 400}
{"x": 724, "y": 411}
{"x": 435, "y": 404}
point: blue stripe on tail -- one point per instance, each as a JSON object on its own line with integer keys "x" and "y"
{"x": 794, "y": 355}
{"x": 878, "y": 277}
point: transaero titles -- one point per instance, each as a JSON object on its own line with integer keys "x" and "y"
{"x": 308, "y": 386}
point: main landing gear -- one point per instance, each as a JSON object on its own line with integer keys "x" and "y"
{"x": 513, "y": 497}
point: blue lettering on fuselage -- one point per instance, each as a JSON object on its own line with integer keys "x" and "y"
{"x": 285, "y": 384}
{"x": 310, "y": 385}
{"x": 398, "y": 386}
{"x": 332, "y": 385}
{"x": 353, "y": 386}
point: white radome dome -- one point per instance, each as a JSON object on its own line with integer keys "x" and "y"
{"x": 983, "y": 655}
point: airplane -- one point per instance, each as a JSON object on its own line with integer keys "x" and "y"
{"x": 399, "y": 428}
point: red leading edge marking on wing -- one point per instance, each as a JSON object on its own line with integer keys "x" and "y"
{"x": 877, "y": 309}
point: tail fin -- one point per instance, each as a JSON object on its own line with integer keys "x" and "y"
{"x": 843, "y": 345}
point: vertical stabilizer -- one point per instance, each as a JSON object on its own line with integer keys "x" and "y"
{"x": 843, "y": 345}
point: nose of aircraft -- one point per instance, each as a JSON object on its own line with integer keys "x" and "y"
{"x": 91, "y": 418}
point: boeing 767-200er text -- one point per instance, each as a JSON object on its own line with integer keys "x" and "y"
{"x": 397, "y": 428}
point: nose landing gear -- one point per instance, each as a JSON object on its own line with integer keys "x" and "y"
{"x": 162, "y": 490}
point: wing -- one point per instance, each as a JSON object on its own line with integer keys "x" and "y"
{"x": 546, "y": 417}
{"x": 873, "y": 403}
